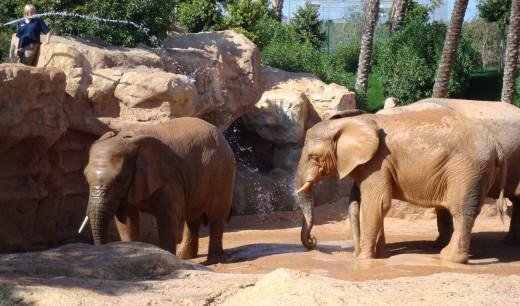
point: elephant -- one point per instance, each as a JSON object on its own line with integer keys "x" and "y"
{"x": 503, "y": 121}
{"x": 180, "y": 171}
{"x": 432, "y": 158}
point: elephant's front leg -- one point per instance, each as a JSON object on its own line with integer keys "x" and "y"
{"x": 127, "y": 223}
{"x": 374, "y": 206}
{"x": 168, "y": 208}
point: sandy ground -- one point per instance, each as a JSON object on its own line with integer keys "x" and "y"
{"x": 261, "y": 244}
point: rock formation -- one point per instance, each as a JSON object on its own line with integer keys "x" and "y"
{"x": 81, "y": 89}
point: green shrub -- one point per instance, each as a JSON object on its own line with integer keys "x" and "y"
{"x": 155, "y": 15}
{"x": 307, "y": 24}
{"x": 347, "y": 56}
{"x": 199, "y": 15}
{"x": 246, "y": 14}
{"x": 407, "y": 62}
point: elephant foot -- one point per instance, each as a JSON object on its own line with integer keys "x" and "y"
{"x": 454, "y": 256}
{"x": 186, "y": 254}
{"x": 216, "y": 258}
{"x": 366, "y": 255}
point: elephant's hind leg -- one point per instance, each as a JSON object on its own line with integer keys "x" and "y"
{"x": 513, "y": 236}
{"x": 190, "y": 242}
{"x": 464, "y": 216}
{"x": 444, "y": 226}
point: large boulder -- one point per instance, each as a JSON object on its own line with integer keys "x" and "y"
{"x": 214, "y": 76}
{"x": 291, "y": 103}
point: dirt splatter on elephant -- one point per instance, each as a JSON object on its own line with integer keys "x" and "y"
{"x": 434, "y": 158}
{"x": 180, "y": 171}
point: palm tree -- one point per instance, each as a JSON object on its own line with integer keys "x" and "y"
{"x": 451, "y": 44}
{"x": 277, "y": 8}
{"x": 397, "y": 13}
{"x": 365, "y": 55}
{"x": 511, "y": 60}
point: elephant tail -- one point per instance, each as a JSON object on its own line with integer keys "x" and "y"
{"x": 501, "y": 166}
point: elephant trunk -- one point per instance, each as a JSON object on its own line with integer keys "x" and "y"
{"x": 100, "y": 211}
{"x": 307, "y": 205}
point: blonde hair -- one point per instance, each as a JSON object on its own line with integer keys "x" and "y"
{"x": 29, "y": 10}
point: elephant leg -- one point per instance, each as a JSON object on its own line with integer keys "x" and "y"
{"x": 353, "y": 212}
{"x": 513, "y": 236}
{"x": 464, "y": 216}
{"x": 444, "y": 226}
{"x": 374, "y": 204}
{"x": 190, "y": 242}
{"x": 127, "y": 223}
{"x": 168, "y": 208}
{"x": 215, "y": 250}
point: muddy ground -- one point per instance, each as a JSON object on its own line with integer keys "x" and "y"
{"x": 260, "y": 244}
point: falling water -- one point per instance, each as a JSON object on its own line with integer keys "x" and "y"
{"x": 153, "y": 40}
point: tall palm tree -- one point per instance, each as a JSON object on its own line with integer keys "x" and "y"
{"x": 397, "y": 13}
{"x": 511, "y": 60}
{"x": 365, "y": 55}
{"x": 277, "y": 8}
{"x": 451, "y": 44}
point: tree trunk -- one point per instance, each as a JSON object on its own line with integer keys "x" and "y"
{"x": 371, "y": 16}
{"x": 277, "y": 9}
{"x": 511, "y": 59}
{"x": 451, "y": 44}
{"x": 397, "y": 13}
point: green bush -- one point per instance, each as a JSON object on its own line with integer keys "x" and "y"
{"x": 199, "y": 15}
{"x": 347, "y": 56}
{"x": 246, "y": 14}
{"x": 407, "y": 62}
{"x": 309, "y": 27}
{"x": 155, "y": 15}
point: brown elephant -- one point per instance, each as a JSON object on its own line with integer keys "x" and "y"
{"x": 433, "y": 158}
{"x": 503, "y": 121}
{"x": 180, "y": 171}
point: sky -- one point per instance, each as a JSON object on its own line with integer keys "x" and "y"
{"x": 335, "y": 9}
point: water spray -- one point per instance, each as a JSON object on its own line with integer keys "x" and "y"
{"x": 154, "y": 40}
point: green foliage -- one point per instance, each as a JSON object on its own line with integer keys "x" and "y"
{"x": 269, "y": 30}
{"x": 199, "y": 15}
{"x": 407, "y": 62}
{"x": 495, "y": 11}
{"x": 347, "y": 56}
{"x": 309, "y": 27}
{"x": 246, "y": 14}
{"x": 155, "y": 15}
{"x": 303, "y": 57}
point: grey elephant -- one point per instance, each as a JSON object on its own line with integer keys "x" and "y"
{"x": 180, "y": 171}
{"x": 433, "y": 158}
{"x": 503, "y": 121}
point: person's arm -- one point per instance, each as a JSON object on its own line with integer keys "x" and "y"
{"x": 45, "y": 30}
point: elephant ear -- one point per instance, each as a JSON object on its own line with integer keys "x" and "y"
{"x": 154, "y": 167}
{"x": 356, "y": 143}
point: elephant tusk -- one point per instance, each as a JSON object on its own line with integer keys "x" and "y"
{"x": 305, "y": 187}
{"x": 82, "y": 227}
